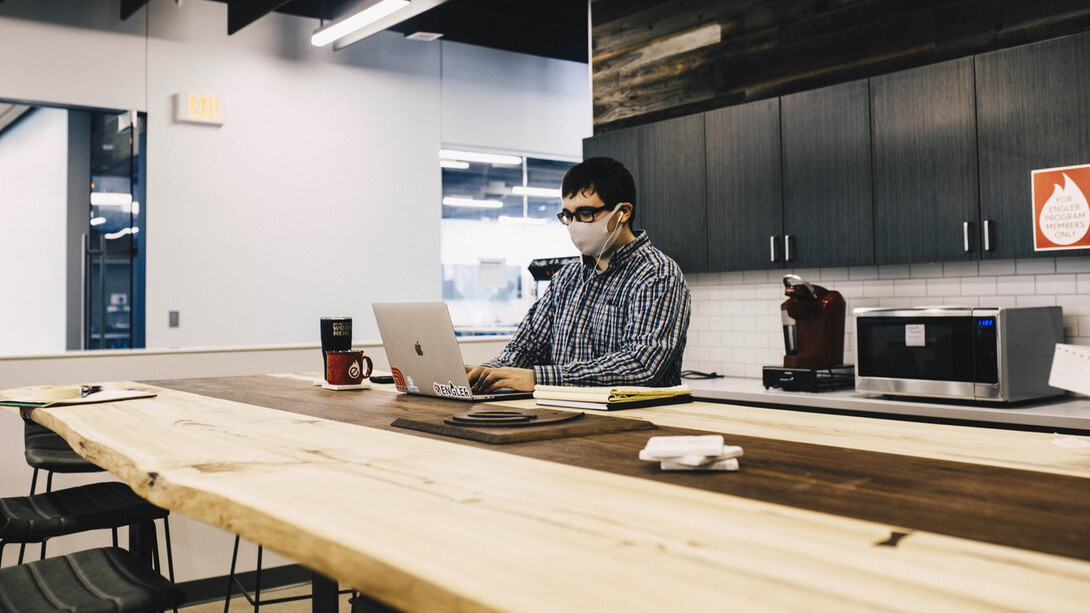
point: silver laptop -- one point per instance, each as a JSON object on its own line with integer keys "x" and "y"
{"x": 424, "y": 354}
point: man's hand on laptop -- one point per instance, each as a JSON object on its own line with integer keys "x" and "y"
{"x": 483, "y": 379}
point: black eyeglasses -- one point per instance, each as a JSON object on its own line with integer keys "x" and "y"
{"x": 583, "y": 214}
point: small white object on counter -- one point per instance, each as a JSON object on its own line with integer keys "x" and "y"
{"x": 1071, "y": 369}
{"x": 701, "y": 453}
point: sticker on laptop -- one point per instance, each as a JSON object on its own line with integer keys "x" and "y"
{"x": 399, "y": 380}
{"x": 450, "y": 390}
{"x": 411, "y": 386}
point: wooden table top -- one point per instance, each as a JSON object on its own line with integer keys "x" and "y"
{"x": 992, "y": 518}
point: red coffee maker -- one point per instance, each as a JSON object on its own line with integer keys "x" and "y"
{"x": 813, "y": 325}
{"x": 813, "y": 338}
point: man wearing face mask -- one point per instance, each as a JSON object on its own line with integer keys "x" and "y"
{"x": 617, "y": 317}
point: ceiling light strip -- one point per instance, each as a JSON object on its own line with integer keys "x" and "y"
{"x": 472, "y": 203}
{"x": 474, "y": 156}
{"x": 357, "y": 21}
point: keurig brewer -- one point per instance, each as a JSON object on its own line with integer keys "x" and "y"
{"x": 813, "y": 336}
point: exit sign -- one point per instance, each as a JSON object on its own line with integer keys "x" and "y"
{"x": 198, "y": 108}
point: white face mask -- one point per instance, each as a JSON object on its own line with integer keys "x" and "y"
{"x": 594, "y": 238}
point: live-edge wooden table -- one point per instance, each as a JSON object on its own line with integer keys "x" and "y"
{"x": 828, "y": 512}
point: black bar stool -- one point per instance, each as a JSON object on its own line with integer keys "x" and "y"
{"x": 48, "y": 451}
{"x": 256, "y": 600}
{"x": 98, "y": 506}
{"x": 107, "y": 580}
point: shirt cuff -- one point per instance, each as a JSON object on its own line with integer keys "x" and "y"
{"x": 547, "y": 375}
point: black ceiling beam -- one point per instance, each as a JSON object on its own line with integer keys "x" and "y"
{"x": 128, "y": 7}
{"x": 241, "y": 13}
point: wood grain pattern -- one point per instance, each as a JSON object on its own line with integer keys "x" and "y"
{"x": 767, "y": 49}
{"x": 672, "y": 203}
{"x": 1033, "y": 105}
{"x": 925, "y": 164}
{"x": 745, "y": 186}
{"x": 587, "y": 425}
{"x": 430, "y": 525}
{"x": 827, "y": 176}
{"x": 865, "y": 484}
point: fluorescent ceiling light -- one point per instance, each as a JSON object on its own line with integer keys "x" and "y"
{"x": 424, "y": 36}
{"x": 111, "y": 199}
{"x": 98, "y": 221}
{"x": 360, "y": 20}
{"x": 522, "y": 221}
{"x": 473, "y": 156}
{"x": 543, "y": 192}
{"x": 122, "y": 232}
{"x": 472, "y": 203}
{"x": 454, "y": 164}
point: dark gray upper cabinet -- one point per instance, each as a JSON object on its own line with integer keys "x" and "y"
{"x": 745, "y": 190}
{"x": 827, "y": 176}
{"x": 671, "y": 202}
{"x": 925, "y": 164}
{"x": 1033, "y": 112}
{"x": 622, "y": 145}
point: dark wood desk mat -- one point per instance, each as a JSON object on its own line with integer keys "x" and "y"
{"x": 1029, "y": 510}
{"x": 584, "y": 425}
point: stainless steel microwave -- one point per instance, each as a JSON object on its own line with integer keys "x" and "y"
{"x": 986, "y": 354}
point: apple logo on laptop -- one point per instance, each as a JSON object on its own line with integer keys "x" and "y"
{"x": 419, "y": 351}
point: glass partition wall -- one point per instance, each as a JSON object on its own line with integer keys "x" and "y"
{"x": 113, "y": 283}
{"x": 72, "y": 235}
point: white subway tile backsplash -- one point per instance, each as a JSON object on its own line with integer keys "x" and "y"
{"x": 1083, "y": 284}
{"x": 944, "y": 287}
{"x": 978, "y": 286}
{"x": 1076, "y": 264}
{"x": 757, "y": 340}
{"x": 834, "y": 274}
{"x": 1055, "y": 284}
{"x": 736, "y": 325}
{"x": 1035, "y": 267}
{"x": 960, "y": 269}
{"x": 902, "y": 271}
{"x": 910, "y": 287}
{"x": 1036, "y": 300}
{"x": 996, "y": 267}
{"x": 755, "y": 307}
{"x": 755, "y": 276}
{"x": 863, "y": 273}
{"x": 878, "y": 289}
{"x": 743, "y": 292}
{"x": 1018, "y": 285}
{"x": 923, "y": 271}
{"x": 731, "y": 278}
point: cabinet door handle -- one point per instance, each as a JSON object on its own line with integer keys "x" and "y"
{"x": 987, "y": 235}
{"x": 786, "y": 247}
{"x": 772, "y": 248}
{"x": 965, "y": 235}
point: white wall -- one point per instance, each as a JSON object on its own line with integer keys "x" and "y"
{"x": 33, "y": 219}
{"x": 513, "y": 101}
{"x": 321, "y": 192}
{"x": 319, "y": 195}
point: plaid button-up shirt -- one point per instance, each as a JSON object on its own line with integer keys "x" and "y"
{"x": 625, "y": 325}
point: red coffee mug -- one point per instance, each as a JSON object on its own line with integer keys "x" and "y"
{"x": 346, "y": 367}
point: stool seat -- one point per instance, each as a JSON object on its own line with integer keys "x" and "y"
{"x": 49, "y": 451}
{"x": 107, "y": 580}
{"x": 30, "y": 519}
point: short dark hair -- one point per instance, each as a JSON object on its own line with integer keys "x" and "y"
{"x": 607, "y": 178}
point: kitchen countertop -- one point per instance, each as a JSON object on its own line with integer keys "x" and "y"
{"x": 1068, "y": 412}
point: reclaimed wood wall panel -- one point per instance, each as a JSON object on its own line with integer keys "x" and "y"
{"x": 653, "y": 60}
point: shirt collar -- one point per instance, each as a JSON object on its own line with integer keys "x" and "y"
{"x": 619, "y": 257}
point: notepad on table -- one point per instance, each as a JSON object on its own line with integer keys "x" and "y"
{"x": 610, "y": 398}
